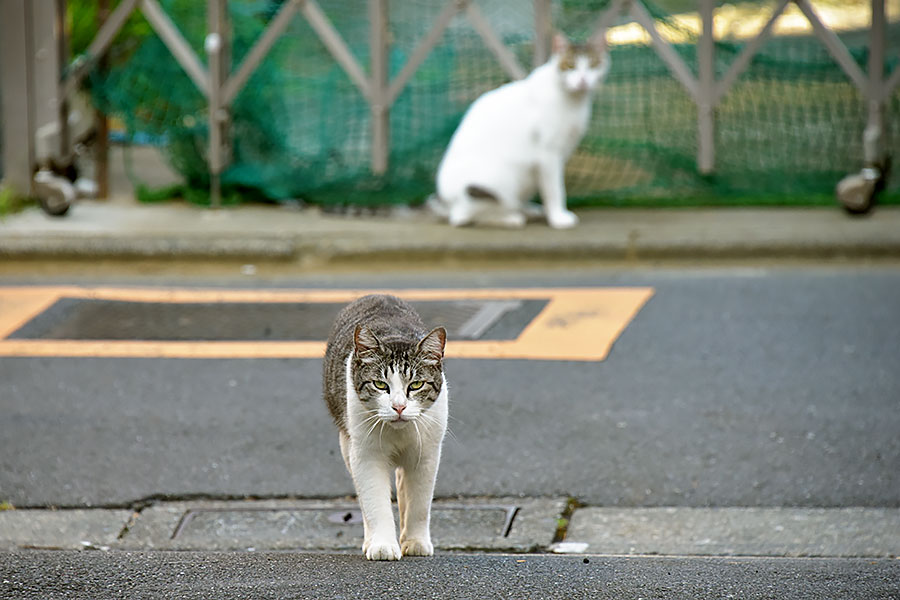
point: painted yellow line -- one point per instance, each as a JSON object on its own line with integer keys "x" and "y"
{"x": 21, "y": 305}
{"x": 576, "y": 324}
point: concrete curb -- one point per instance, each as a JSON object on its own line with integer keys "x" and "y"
{"x": 308, "y": 237}
{"x": 795, "y": 532}
{"x": 471, "y": 524}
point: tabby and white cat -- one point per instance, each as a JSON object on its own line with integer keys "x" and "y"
{"x": 515, "y": 140}
{"x": 385, "y": 388}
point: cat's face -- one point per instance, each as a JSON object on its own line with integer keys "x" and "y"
{"x": 581, "y": 66}
{"x": 397, "y": 382}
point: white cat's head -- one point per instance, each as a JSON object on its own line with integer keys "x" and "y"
{"x": 581, "y": 67}
{"x": 397, "y": 381}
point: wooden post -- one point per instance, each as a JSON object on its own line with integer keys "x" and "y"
{"x": 101, "y": 148}
{"x": 378, "y": 78}
{"x": 17, "y": 91}
{"x": 216, "y": 49}
{"x": 65, "y": 149}
{"x": 543, "y": 31}
{"x": 706, "y": 89}
{"x": 873, "y": 138}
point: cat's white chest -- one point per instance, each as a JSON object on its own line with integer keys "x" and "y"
{"x": 560, "y": 126}
{"x": 558, "y": 141}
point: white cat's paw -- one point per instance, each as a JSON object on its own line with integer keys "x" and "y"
{"x": 513, "y": 220}
{"x": 562, "y": 220}
{"x": 417, "y": 547}
{"x": 383, "y": 551}
{"x": 460, "y": 215}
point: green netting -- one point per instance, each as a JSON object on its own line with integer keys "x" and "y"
{"x": 786, "y": 133}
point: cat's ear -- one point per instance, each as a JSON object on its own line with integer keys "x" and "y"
{"x": 597, "y": 42}
{"x": 560, "y": 43}
{"x": 365, "y": 343}
{"x": 431, "y": 347}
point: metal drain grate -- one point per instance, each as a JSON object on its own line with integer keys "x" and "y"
{"x": 87, "y": 319}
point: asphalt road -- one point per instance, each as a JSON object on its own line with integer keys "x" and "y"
{"x": 214, "y": 576}
{"x": 753, "y": 387}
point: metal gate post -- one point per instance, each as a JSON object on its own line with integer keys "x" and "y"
{"x": 873, "y": 137}
{"x": 543, "y": 31}
{"x": 217, "y": 50}
{"x": 17, "y": 89}
{"x": 378, "y": 80}
{"x": 101, "y": 148}
{"x": 706, "y": 91}
{"x": 857, "y": 192}
{"x": 64, "y": 151}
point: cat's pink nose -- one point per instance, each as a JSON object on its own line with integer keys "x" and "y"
{"x": 399, "y": 408}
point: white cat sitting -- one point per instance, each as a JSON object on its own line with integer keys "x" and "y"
{"x": 514, "y": 141}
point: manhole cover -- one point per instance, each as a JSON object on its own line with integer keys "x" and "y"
{"x": 87, "y": 319}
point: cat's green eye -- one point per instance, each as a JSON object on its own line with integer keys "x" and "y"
{"x": 380, "y": 385}
{"x": 416, "y": 385}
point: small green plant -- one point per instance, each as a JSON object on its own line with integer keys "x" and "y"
{"x": 6, "y": 506}
{"x": 10, "y": 202}
{"x": 562, "y": 523}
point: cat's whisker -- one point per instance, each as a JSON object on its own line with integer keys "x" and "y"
{"x": 431, "y": 419}
{"x": 453, "y": 418}
{"x": 419, "y": 443}
{"x": 373, "y": 416}
{"x": 375, "y": 420}
{"x": 451, "y": 435}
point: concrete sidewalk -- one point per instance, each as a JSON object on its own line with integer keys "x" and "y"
{"x": 472, "y": 524}
{"x": 123, "y": 229}
{"x": 306, "y": 238}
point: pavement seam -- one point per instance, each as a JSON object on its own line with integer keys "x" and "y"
{"x": 562, "y": 524}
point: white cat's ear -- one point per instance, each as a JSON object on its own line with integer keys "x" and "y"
{"x": 365, "y": 342}
{"x": 598, "y": 41}
{"x": 560, "y": 43}
{"x": 431, "y": 347}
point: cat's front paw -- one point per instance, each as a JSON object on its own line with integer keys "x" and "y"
{"x": 562, "y": 220}
{"x": 514, "y": 220}
{"x": 383, "y": 551}
{"x": 461, "y": 215}
{"x": 417, "y": 547}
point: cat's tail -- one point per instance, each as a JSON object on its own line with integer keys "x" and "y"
{"x": 441, "y": 207}
{"x": 479, "y": 204}
{"x": 477, "y": 192}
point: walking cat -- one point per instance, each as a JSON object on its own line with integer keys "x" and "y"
{"x": 515, "y": 140}
{"x": 385, "y": 388}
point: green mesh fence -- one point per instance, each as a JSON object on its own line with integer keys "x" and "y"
{"x": 785, "y": 134}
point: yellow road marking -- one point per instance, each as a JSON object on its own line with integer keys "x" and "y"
{"x": 576, "y": 324}
{"x": 19, "y": 307}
